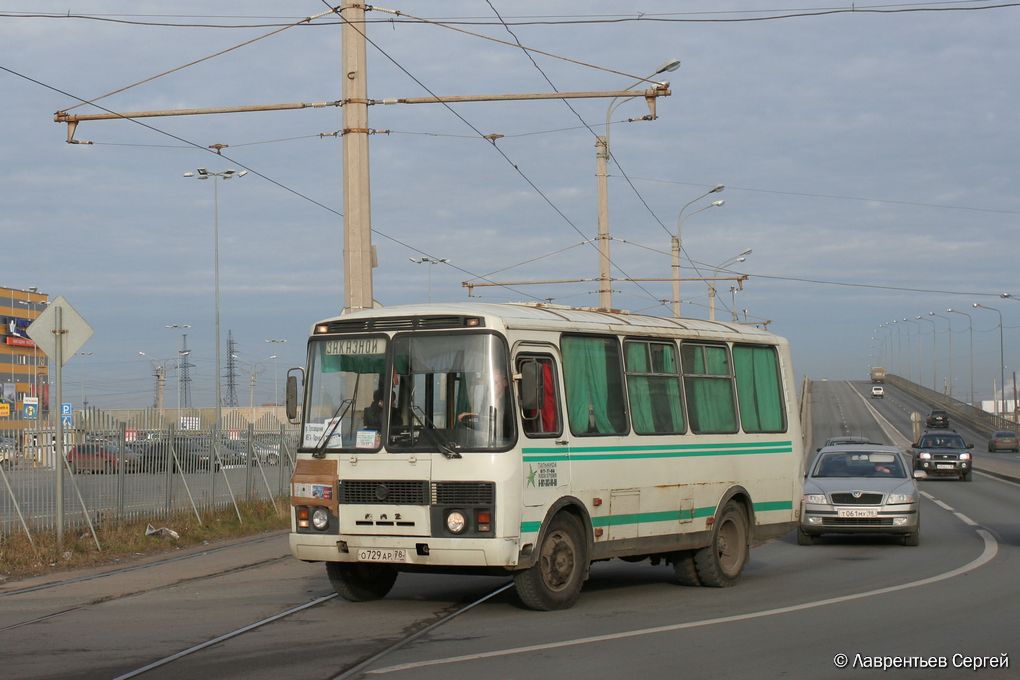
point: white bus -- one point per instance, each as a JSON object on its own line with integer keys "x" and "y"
{"x": 532, "y": 440}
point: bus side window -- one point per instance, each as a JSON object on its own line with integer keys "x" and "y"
{"x": 540, "y": 407}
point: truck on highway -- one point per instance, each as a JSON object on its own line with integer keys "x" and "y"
{"x": 877, "y": 374}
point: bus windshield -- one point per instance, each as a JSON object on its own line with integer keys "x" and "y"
{"x": 452, "y": 393}
{"x": 346, "y": 381}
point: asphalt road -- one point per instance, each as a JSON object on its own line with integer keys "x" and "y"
{"x": 795, "y": 610}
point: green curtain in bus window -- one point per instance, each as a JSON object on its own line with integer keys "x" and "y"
{"x": 654, "y": 399}
{"x": 758, "y": 389}
{"x": 591, "y": 371}
{"x": 709, "y": 389}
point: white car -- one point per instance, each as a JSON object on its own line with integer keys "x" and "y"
{"x": 877, "y": 392}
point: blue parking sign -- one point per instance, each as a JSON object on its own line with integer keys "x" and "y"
{"x": 67, "y": 421}
{"x": 65, "y": 409}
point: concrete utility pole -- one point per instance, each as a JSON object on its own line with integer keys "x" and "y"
{"x": 357, "y": 194}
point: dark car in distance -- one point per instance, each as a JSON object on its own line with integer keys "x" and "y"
{"x": 943, "y": 453}
{"x": 937, "y": 418}
{"x": 1003, "y": 440}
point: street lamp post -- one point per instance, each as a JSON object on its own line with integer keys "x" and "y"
{"x": 970, "y": 326}
{"x": 276, "y": 374}
{"x": 920, "y": 377}
{"x": 430, "y": 261}
{"x": 933, "y": 360}
{"x": 740, "y": 257}
{"x": 899, "y": 344}
{"x": 1002, "y": 364}
{"x": 949, "y": 330}
{"x": 229, "y": 173}
{"x": 677, "y": 241}
{"x": 602, "y": 154}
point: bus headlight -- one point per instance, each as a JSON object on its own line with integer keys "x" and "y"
{"x": 320, "y": 518}
{"x": 456, "y": 522}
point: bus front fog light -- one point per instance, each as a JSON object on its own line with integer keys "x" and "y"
{"x": 456, "y": 522}
{"x": 320, "y": 518}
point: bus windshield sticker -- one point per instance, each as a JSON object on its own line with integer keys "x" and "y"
{"x": 367, "y": 439}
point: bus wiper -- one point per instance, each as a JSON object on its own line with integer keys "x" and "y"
{"x": 320, "y": 446}
{"x": 444, "y": 449}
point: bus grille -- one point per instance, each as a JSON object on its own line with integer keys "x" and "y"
{"x": 865, "y": 499}
{"x": 384, "y": 491}
{"x": 463, "y": 493}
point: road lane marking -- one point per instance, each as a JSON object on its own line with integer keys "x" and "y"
{"x": 991, "y": 548}
{"x": 966, "y": 520}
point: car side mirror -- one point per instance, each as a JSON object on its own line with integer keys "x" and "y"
{"x": 970, "y": 446}
{"x": 818, "y": 449}
{"x": 292, "y": 393}
{"x": 920, "y": 474}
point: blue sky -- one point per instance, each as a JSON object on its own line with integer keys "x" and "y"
{"x": 870, "y": 160}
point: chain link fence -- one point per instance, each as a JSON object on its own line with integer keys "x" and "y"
{"x": 141, "y": 468}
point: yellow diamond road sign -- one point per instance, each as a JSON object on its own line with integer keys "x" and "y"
{"x": 73, "y": 331}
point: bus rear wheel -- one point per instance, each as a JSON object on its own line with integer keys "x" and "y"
{"x": 719, "y": 564}
{"x": 361, "y": 582}
{"x": 555, "y": 580}
{"x": 685, "y": 573}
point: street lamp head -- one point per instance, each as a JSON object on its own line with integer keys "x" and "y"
{"x": 717, "y": 188}
{"x": 202, "y": 171}
{"x": 1005, "y": 296}
{"x": 669, "y": 66}
{"x": 718, "y": 204}
{"x": 976, "y": 305}
{"x": 242, "y": 173}
{"x": 189, "y": 174}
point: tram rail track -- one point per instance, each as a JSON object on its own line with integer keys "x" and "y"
{"x": 420, "y": 628}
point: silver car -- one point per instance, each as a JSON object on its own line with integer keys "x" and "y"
{"x": 854, "y": 489}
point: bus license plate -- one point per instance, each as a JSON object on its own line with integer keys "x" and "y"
{"x": 857, "y": 512}
{"x": 382, "y": 555}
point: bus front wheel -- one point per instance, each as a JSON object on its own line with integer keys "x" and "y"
{"x": 361, "y": 582}
{"x": 555, "y": 580}
{"x": 719, "y": 564}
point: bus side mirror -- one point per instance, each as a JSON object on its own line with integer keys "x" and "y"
{"x": 532, "y": 387}
{"x": 292, "y": 393}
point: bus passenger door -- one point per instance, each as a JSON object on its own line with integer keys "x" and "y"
{"x": 544, "y": 450}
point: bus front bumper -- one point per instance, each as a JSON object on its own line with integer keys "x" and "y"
{"x": 419, "y": 551}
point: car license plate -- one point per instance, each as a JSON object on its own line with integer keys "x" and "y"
{"x": 382, "y": 555}
{"x": 945, "y": 466}
{"x": 857, "y": 512}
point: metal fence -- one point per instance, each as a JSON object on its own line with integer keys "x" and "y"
{"x": 140, "y": 468}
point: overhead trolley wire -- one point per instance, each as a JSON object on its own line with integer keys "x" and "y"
{"x": 253, "y": 171}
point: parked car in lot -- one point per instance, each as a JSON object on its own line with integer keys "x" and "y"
{"x": 937, "y": 418}
{"x": 855, "y": 489}
{"x": 8, "y": 452}
{"x": 1004, "y": 441}
{"x": 877, "y": 392}
{"x": 943, "y": 453}
{"x": 96, "y": 458}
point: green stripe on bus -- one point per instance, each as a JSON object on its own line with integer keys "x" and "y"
{"x": 665, "y": 516}
{"x": 773, "y": 505}
{"x": 579, "y": 455}
{"x": 660, "y": 447}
